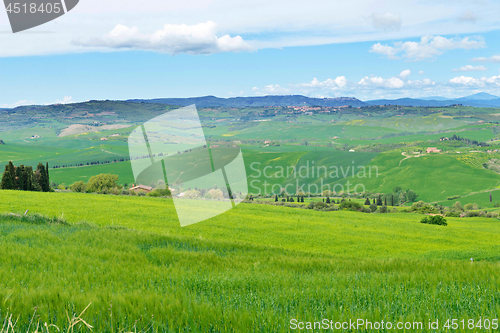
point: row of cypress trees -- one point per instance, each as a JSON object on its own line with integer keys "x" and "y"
{"x": 378, "y": 201}
{"x": 23, "y": 178}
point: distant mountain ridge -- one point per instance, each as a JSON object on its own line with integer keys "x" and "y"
{"x": 258, "y": 101}
{"x": 478, "y": 100}
{"x": 481, "y": 99}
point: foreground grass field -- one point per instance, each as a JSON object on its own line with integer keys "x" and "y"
{"x": 252, "y": 269}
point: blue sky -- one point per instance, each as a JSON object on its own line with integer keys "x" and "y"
{"x": 389, "y": 49}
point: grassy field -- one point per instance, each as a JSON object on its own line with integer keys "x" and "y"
{"x": 432, "y": 177}
{"x": 130, "y": 259}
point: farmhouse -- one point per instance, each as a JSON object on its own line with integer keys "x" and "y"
{"x": 144, "y": 188}
{"x": 432, "y": 150}
{"x": 104, "y": 139}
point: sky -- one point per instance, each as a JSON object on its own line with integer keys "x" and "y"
{"x": 123, "y": 49}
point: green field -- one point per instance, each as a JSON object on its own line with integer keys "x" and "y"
{"x": 131, "y": 260}
{"x": 433, "y": 177}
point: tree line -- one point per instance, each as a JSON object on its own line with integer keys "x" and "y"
{"x": 23, "y": 178}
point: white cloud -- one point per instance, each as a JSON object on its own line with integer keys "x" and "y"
{"x": 404, "y": 74}
{"x": 200, "y": 38}
{"x": 272, "y": 89}
{"x": 421, "y": 72}
{"x": 470, "y": 68}
{"x": 386, "y": 21}
{"x": 389, "y": 51}
{"x": 16, "y": 104}
{"x": 65, "y": 100}
{"x": 486, "y": 82}
{"x": 468, "y": 16}
{"x": 375, "y": 81}
{"x": 428, "y": 47}
{"x": 495, "y": 58}
{"x": 267, "y": 24}
{"x": 333, "y": 84}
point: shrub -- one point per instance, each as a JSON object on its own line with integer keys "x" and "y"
{"x": 132, "y": 192}
{"x": 436, "y": 219}
{"x": 101, "y": 182}
{"x": 458, "y": 206}
{"x": 471, "y": 206}
{"x": 383, "y": 209}
{"x": 351, "y": 205}
{"x": 191, "y": 194}
{"x": 452, "y": 214}
{"x": 78, "y": 187}
{"x": 373, "y": 207}
{"x": 423, "y": 208}
{"x": 320, "y": 205}
{"x": 215, "y": 194}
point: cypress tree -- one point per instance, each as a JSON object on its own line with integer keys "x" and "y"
{"x": 29, "y": 178}
{"x": 6, "y": 183}
{"x": 392, "y": 200}
{"x": 385, "y": 201}
{"x": 490, "y": 197}
{"x": 367, "y": 202}
{"x": 12, "y": 173}
{"x": 42, "y": 179}
{"x": 379, "y": 201}
{"x": 374, "y": 202}
{"x": 21, "y": 178}
{"x": 47, "y": 169}
{"x": 276, "y": 198}
{"x": 327, "y": 200}
{"x": 302, "y": 199}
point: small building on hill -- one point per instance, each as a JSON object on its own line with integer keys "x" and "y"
{"x": 144, "y": 188}
{"x": 432, "y": 150}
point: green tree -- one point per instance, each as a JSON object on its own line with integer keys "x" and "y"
{"x": 379, "y": 200}
{"x": 47, "y": 172}
{"x": 41, "y": 177}
{"x": 12, "y": 173}
{"x": 21, "y": 178}
{"x": 367, "y": 202}
{"x": 103, "y": 181}
{"x": 458, "y": 206}
{"x": 411, "y": 195}
{"x": 327, "y": 200}
{"x": 7, "y": 183}
{"x": 79, "y": 186}
{"x": 29, "y": 178}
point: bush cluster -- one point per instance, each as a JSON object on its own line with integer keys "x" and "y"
{"x": 436, "y": 219}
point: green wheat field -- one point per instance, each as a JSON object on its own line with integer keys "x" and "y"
{"x": 252, "y": 269}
